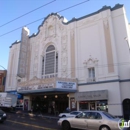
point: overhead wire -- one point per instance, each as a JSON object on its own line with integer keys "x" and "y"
{"x": 27, "y": 13}
{"x": 44, "y": 17}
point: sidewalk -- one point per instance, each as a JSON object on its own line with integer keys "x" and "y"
{"x": 44, "y": 115}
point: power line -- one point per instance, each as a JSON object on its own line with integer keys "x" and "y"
{"x": 21, "y": 27}
{"x": 27, "y": 13}
{"x": 43, "y": 18}
{"x": 72, "y": 6}
{"x": 2, "y": 67}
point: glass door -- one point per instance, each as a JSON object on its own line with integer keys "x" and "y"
{"x": 92, "y": 106}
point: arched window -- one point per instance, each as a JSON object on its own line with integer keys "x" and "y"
{"x": 50, "y": 61}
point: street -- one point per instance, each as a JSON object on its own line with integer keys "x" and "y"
{"x": 23, "y": 122}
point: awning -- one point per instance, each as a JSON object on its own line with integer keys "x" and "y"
{"x": 92, "y": 95}
{"x": 16, "y": 93}
{"x": 47, "y": 90}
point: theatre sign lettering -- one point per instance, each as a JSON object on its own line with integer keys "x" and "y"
{"x": 44, "y": 84}
{"x": 36, "y": 87}
{"x": 66, "y": 85}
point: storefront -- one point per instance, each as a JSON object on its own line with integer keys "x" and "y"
{"x": 47, "y": 94}
{"x": 49, "y": 101}
{"x": 92, "y": 100}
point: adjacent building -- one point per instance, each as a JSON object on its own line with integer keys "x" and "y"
{"x": 2, "y": 80}
{"x": 83, "y": 63}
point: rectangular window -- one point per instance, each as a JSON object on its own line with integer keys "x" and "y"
{"x": 91, "y": 72}
{"x": 91, "y": 75}
{"x": 83, "y": 105}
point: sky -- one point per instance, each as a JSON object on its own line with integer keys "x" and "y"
{"x": 12, "y": 9}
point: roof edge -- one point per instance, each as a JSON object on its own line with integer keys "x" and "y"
{"x": 16, "y": 42}
{"x": 117, "y": 6}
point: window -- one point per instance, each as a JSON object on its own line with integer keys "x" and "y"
{"x": 93, "y": 115}
{"x": 109, "y": 115}
{"x": 102, "y": 105}
{"x": 50, "y": 61}
{"x": 91, "y": 74}
{"x": 81, "y": 115}
{"x": 75, "y": 113}
{"x": 83, "y": 105}
{"x": 97, "y": 116}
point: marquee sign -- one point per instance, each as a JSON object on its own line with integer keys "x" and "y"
{"x": 36, "y": 87}
{"x": 65, "y": 85}
{"x": 36, "y": 84}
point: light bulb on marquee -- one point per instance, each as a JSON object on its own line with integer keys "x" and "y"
{"x": 45, "y": 96}
{"x": 56, "y": 96}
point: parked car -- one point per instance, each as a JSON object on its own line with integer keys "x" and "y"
{"x": 92, "y": 120}
{"x": 2, "y": 116}
{"x": 70, "y": 114}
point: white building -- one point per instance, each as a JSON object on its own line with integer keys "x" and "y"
{"x": 83, "y": 63}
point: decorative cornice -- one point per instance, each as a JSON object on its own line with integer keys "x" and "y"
{"x": 117, "y": 6}
{"x": 55, "y": 14}
{"x": 108, "y": 81}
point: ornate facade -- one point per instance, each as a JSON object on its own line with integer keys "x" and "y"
{"x": 87, "y": 55}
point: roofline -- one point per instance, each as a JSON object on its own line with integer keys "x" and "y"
{"x": 117, "y": 6}
{"x": 16, "y": 42}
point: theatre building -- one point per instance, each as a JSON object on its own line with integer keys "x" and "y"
{"x": 82, "y": 63}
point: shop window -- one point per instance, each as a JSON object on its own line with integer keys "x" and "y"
{"x": 102, "y": 106}
{"x": 83, "y": 105}
{"x": 19, "y": 103}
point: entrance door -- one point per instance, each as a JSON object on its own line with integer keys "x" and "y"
{"x": 126, "y": 109}
{"x": 25, "y": 104}
{"x": 92, "y": 106}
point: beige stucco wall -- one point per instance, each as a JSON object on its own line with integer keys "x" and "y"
{"x": 120, "y": 32}
{"x": 11, "y": 80}
{"x": 94, "y": 41}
